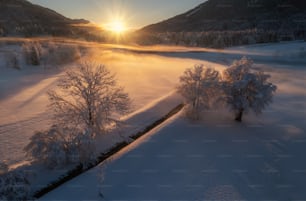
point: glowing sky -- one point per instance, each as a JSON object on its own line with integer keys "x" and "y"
{"x": 135, "y": 13}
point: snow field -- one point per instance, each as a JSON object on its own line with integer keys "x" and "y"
{"x": 224, "y": 160}
{"x": 216, "y": 159}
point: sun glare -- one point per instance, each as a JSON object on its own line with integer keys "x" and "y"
{"x": 117, "y": 26}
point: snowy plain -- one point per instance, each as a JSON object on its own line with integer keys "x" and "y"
{"x": 216, "y": 159}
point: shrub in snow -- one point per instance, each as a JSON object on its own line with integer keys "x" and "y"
{"x": 14, "y": 186}
{"x": 199, "y": 86}
{"x": 48, "y": 147}
{"x": 32, "y": 52}
{"x": 246, "y": 89}
{"x": 57, "y": 147}
{"x": 87, "y": 98}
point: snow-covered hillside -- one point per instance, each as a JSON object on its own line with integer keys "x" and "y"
{"x": 216, "y": 159}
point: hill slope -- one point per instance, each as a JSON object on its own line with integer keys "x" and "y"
{"x": 223, "y": 15}
{"x": 20, "y": 17}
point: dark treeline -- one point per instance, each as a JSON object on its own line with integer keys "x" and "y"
{"x": 218, "y": 39}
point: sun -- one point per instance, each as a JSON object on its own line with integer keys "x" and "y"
{"x": 117, "y": 26}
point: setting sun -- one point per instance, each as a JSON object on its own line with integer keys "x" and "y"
{"x": 117, "y": 26}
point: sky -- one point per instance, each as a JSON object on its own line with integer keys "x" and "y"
{"x": 134, "y": 13}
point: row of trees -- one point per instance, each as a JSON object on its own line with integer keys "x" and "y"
{"x": 45, "y": 54}
{"x": 240, "y": 87}
{"x": 49, "y": 53}
{"x": 215, "y": 39}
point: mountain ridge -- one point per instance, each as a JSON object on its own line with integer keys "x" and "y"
{"x": 21, "y": 17}
{"x": 224, "y": 15}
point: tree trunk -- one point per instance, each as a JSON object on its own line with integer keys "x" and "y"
{"x": 90, "y": 119}
{"x": 239, "y": 115}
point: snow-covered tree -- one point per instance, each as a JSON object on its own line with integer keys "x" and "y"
{"x": 87, "y": 98}
{"x": 57, "y": 147}
{"x": 85, "y": 105}
{"x": 199, "y": 86}
{"x": 247, "y": 89}
{"x": 14, "y": 186}
{"x": 32, "y": 52}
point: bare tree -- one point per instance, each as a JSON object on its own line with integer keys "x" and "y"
{"x": 88, "y": 98}
{"x": 247, "y": 89}
{"x": 199, "y": 86}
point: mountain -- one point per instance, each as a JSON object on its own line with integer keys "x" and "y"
{"x": 224, "y": 15}
{"x": 22, "y": 18}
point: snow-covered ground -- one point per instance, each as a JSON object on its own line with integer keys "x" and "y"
{"x": 133, "y": 123}
{"x": 184, "y": 161}
{"x": 217, "y": 159}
